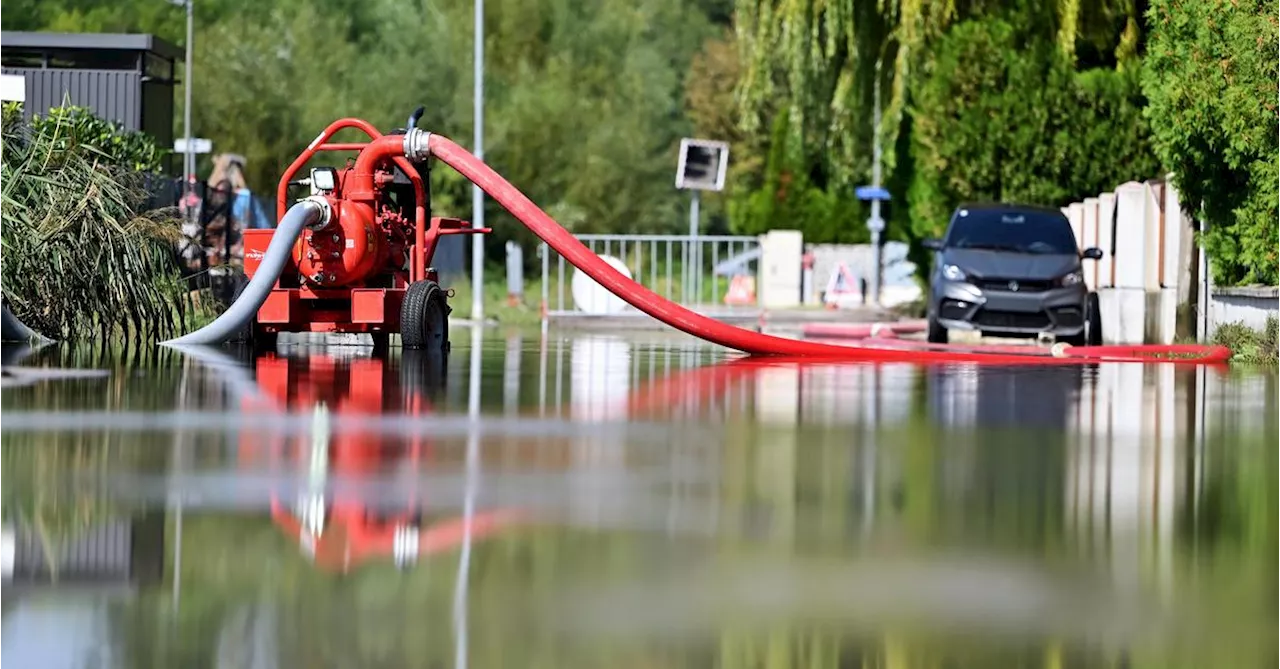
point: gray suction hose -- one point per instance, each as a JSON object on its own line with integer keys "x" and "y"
{"x": 12, "y": 329}
{"x": 312, "y": 212}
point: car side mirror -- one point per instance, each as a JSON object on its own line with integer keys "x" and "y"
{"x": 1092, "y": 253}
{"x": 932, "y": 244}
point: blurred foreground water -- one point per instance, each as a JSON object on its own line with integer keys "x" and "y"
{"x": 572, "y": 500}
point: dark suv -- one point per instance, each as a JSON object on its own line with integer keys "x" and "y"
{"x": 1011, "y": 271}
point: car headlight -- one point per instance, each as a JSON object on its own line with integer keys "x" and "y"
{"x": 1071, "y": 279}
{"x": 952, "y": 273}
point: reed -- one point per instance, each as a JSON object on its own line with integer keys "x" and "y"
{"x": 81, "y": 256}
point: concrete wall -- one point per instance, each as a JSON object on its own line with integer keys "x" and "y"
{"x": 1147, "y": 279}
{"x": 1250, "y": 305}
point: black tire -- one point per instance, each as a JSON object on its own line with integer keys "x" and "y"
{"x": 249, "y": 334}
{"x": 1092, "y": 334}
{"x": 424, "y": 317}
{"x": 423, "y": 372}
{"x": 936, "y": 333}
{"x": 1092, "y": 320}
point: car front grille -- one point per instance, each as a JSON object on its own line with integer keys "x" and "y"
{"x": 1068, "y": 317}
{"x": 1011, "y": 319}
{"x": 1014, "y": 285}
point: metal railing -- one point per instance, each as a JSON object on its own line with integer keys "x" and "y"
{"x": 693, "y": 271}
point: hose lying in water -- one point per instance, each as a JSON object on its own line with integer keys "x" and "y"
{"x": 307, "y": 213}
{"x": 747, "y": 341}
{"x": 418, "y": 145}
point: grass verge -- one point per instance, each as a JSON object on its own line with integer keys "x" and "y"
{"x": 1250, "y": 346}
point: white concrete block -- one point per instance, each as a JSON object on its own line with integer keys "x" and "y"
{"x": 1162, "y": 315}
{"x": 1123, "y": 315}
{"x": 1106, "y": 239}
{"x": 1109, "y": 306}
{"x": 1075, "y": 216}
{"x": 1130, "y": 252}
{"x": 1089, "y": 239}
{"x": 781, "y": 254}
{"x": 1131, "y": 326}
{"x": 1152, "y": 248}
{"x": 1173, "y": 251}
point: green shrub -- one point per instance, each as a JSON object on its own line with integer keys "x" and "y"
{"x": 1211, "y": 79}
{"x": 80, "y": 259}
{"x": 1250, "y": 346}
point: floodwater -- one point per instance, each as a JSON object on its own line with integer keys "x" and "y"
{"x": 571, "y": 499}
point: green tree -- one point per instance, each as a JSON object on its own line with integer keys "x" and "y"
{"x": 1211, "y": 79}
{"x": 1001, "y": 116}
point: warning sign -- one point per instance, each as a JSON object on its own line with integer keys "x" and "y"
{"x": 843, "y": 290}
{"x": 742, "y": 290}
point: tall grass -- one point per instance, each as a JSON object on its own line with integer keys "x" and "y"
{"x": 1249, "y": 346}
{"x": 80, "y": 259}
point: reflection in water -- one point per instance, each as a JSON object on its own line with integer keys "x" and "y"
{"x": 589, "y": 500}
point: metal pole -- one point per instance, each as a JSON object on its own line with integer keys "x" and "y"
{"x": 876, "y": 224}
{"x": 1203, "y": 298}
{"x": 188, "y": 159}
{"x": 463, "y": 581}
{"x": 477, "y": 195}
{"x": 695, "y": 257}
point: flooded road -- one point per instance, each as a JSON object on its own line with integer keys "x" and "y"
{"x": 572, "y": 499}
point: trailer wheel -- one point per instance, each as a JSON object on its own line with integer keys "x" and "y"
{"x": 424, "y": 317}
{"x": 249, "y": 334}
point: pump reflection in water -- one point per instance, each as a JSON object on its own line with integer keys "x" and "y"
{"x": 345, "y": 513}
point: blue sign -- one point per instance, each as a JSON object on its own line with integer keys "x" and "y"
{"x": 872, "y": 193}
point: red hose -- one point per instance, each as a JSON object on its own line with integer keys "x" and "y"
{"x": 712, "y": 330}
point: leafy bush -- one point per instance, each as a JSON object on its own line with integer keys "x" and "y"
{"x": 1249, "y": 346}
{"x": 71, "y": 126}
{"x": 79, "y": 259}
{"x": 1211, "y": 79}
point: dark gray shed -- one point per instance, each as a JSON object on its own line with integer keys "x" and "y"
{"x": 124, "y": 78}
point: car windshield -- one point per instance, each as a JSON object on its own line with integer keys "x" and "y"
{"x": 1012, "y": 231}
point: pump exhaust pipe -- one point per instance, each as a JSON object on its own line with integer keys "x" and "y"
{"x": 313, "y": 212}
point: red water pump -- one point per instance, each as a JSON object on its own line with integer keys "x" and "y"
{"x": 367, "y": 267}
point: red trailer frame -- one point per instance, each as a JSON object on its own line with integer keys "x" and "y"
{"x": 305, "y": 308}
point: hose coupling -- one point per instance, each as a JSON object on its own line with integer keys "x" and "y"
{"x": 416, "y": 142}
{"x": 326, "y": 211}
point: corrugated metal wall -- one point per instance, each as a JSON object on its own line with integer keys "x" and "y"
{"x": 130, "y": 550}
{"x": 115, "y": 95}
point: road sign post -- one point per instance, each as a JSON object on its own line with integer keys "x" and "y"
{"x": 875, "y": 225}
{"x": 703, "y": 164}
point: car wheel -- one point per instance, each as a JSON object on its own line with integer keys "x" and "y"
{"x": 936, "y": 334}
{"x": 1092, "y": 320}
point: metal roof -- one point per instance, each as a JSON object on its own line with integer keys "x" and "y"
{"x": 90, "y": 41}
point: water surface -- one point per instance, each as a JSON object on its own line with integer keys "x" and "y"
{"x": 634, "y": 500}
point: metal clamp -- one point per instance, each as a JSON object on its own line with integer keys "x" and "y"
{"x": 416, "y": 143}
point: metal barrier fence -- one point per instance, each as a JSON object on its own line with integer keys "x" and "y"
{"x": 693, "y": 271}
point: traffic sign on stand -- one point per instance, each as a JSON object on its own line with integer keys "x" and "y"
{"x": 742, "y": 290}
{"x": 843, "y": 290}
